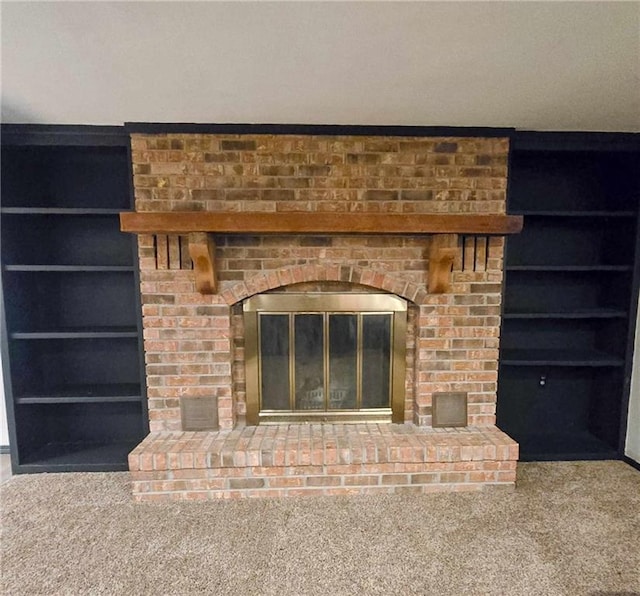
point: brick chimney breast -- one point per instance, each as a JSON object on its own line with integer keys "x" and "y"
{"x": 194, "y": 342}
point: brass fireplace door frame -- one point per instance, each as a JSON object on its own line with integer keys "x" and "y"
{"x": 325, "y": 303}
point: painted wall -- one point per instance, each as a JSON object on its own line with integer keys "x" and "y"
{"x": 531, "y": 65}
{"x": 633, "y": 429}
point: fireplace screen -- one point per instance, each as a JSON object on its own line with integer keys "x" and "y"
{"x": 325, "y": 357}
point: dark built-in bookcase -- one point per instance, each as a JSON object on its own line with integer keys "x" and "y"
{"x": 72, "y": 338}
{"x": 571, "y": 292}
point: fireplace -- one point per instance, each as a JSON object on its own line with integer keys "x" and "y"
{"x": 293, "y": 285}
{"x": 325, "y": 357}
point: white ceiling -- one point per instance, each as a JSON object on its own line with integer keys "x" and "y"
{"x": 543, "y": 66}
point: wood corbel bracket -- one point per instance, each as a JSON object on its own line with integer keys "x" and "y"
{"x": 202, "y": 250}
{"x": 442, "y": 253}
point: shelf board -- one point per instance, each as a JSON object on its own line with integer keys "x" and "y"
{"x": 569, "y": 268}
{"x": 78, "y": 400}
{"x": 587, "y": 214}
{"x": 116, "y": 392}
{"x": 71, "y": 268}
{"x": 569, "y": 446}
{"x": 57, "y": 211}
{"x": 550, "y": 357}
{"x": 78, "y": 456}
{"x": 318, "y": 223}
{"x": 602, "y": 313}
{"x": 78, "y": 333}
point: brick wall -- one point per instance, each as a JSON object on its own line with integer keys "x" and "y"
{"x": 193, "y": 343}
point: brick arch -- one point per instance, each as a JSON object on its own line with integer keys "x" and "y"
{"x": 276, "y": 278}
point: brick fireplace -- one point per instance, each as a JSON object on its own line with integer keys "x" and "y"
{"x": 196, "y": 278}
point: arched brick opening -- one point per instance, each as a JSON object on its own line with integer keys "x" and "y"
{"x": 342, "y": 276}
{"x": 270, "y": 280}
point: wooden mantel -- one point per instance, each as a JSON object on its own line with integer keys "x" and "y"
{"x": 181, "y": 222}
{"x": 200, "y": 225}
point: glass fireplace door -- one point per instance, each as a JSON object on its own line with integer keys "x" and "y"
{"x": 324, "y": 357}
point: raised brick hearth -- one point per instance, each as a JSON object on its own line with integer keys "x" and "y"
{"x": 194, "y": 342}
{"x": 320, "y": 459}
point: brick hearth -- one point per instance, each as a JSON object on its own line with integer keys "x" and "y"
{"x": 320, "y": 459}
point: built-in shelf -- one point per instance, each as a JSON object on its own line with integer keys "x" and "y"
{"x": 559, "y": 446}
{"x": 570, "y": 289}
{"x": 74, "y": 389}
{"x": 586, "y": 214}
{"x": 57, "y": 211}
{"x": 70, "y": 268}
{"x": 552, "y": 357}
{"x": 117, "y": 392}
{"x": 570, "y": 268}
{"x": 81, "y": 333}
{"x": 81, "y": 399}
{"x": 602, "y": 313}
{"x": 79, "y": 456}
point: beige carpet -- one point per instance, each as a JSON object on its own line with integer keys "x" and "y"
{"x": 569, "y": 528}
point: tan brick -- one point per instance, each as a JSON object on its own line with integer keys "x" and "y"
{"x": 286, "y": 482}
{"x": 428, "y": 478}
{"x": 453, "y": 477}
{"x": 324, "y": 481}
{"x": 395, "y": 479}
{"x": 358, "y": 480}
{"x": 242, "y": 483}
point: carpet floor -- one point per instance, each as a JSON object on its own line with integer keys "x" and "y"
{"x": 568, "y": 528}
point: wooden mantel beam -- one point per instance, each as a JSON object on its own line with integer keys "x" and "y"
{"x": 181, "y": 222}
{"x": 199, "y": 226}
